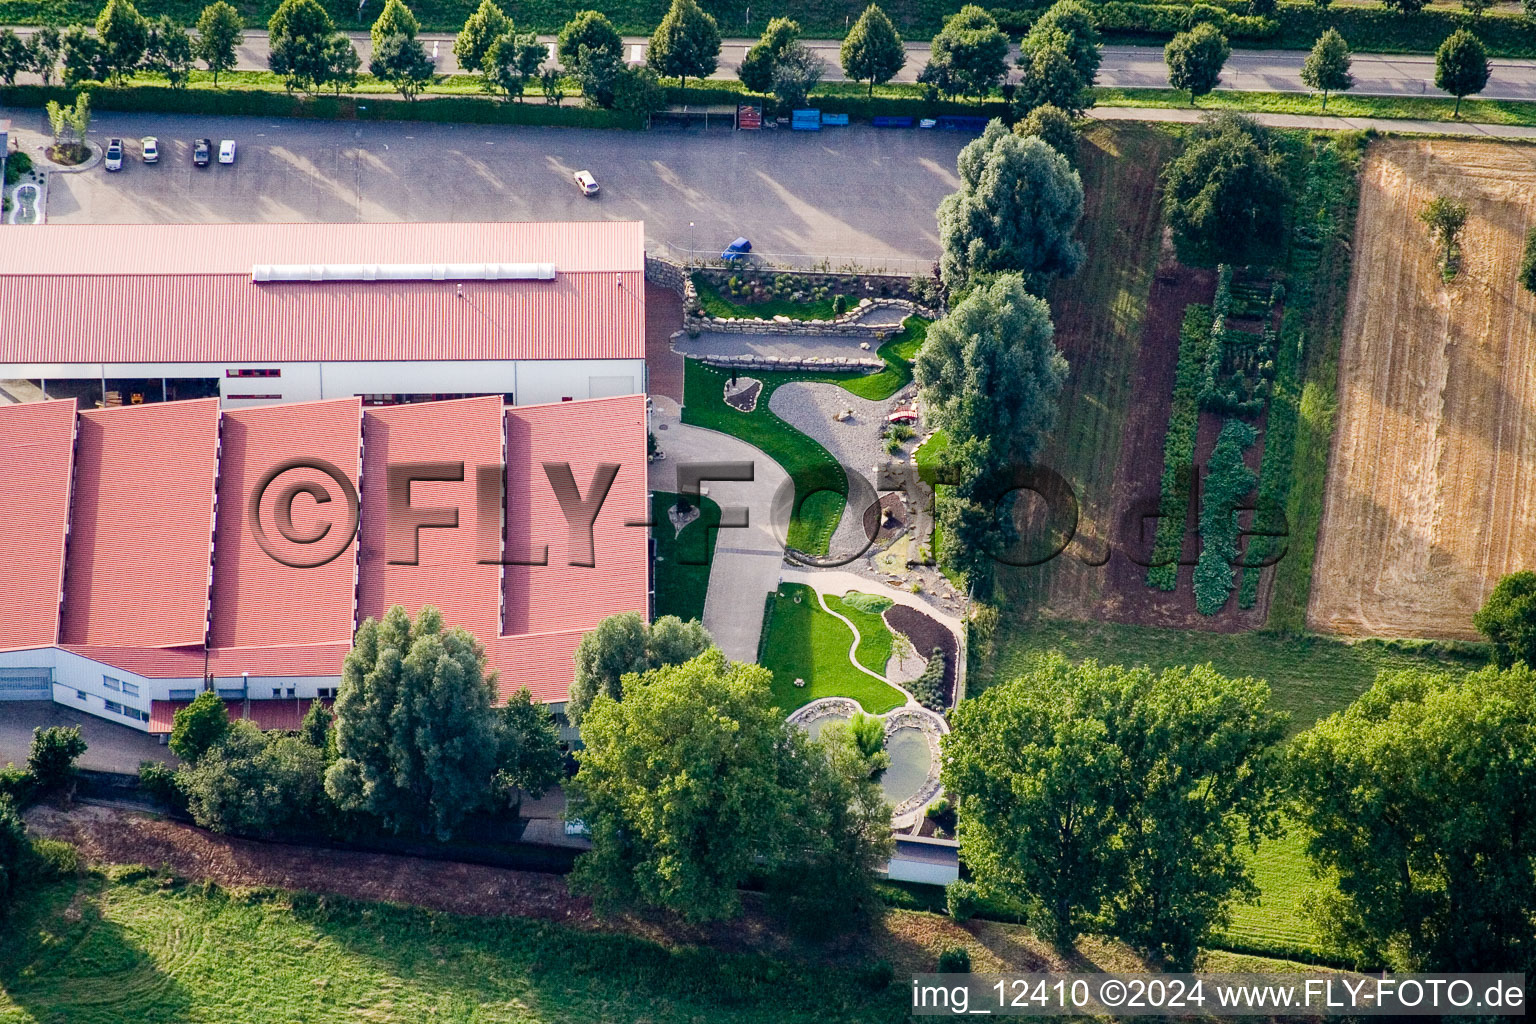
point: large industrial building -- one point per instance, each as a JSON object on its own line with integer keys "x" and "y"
{"x": 260, "y": 313}
{"x": 157, "y": 551}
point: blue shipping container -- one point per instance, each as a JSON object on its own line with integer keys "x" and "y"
{"x": 890, "y": 121}
{"x": 805, "y": 120}
{"x": 834, "y": 119}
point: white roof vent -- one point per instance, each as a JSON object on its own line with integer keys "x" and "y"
{"x": 279, "y": 272}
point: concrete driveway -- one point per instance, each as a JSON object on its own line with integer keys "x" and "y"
{"x": 855, "y": 194}
{"x": 110, "y": 747}
{"x": 747, "y": 561}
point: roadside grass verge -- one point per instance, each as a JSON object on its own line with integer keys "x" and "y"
{"x": 135, "y": 946}
{"x": 1310, "y": 676}
{"x": 681, "y": 583}
{"x": 1416, "y": 108}
{"x": 800, "y": 641}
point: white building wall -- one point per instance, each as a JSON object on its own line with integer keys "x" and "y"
{"x": 529, "y": 381}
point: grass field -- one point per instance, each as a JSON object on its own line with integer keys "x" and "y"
{"x": 145, "y": 950}
{"x": 1310, "y": 676}
{"x": 898, "y": 353}
{"x": 1278, "y": 923}
{"x": 681, "y": 583}
{"x": 800, "y": 641}
{"x": 1098, "y": 316}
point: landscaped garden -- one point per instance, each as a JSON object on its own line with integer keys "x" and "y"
{"x": 800, "y": 641}
{"x": 816, "y": 514}
{"x": 683, "y": 557}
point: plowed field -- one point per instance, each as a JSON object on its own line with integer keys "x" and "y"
{"x": 1431, "y": 492}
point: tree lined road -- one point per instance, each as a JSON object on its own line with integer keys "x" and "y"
{"x": 1124, "y": 67}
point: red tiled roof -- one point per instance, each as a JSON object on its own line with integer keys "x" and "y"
{"x": 139, "y": 278}
{"x": 540, "y": 661}
{"x": 447, "y": 574}
{"x": 268, "y": 713}
{"x": 223, "y": 662}
{"x": 258, "y": 601}
{"x": 37, "y": 444}
{"x": 585, "y": 435}
{"x": 137, "y": 567}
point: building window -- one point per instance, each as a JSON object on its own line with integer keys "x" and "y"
{"x": 326, "y": 691}
{"x": 292, "y": 691}
{"x": 82, "y": 695}
{"x": 183, "y": 694}
{"x": 114, "y": 707}
{"x": 130, "y": 689}
{"x": 277, "y": 691}
{"x": 253, "y": 373}
{"x": 112, "y": 684}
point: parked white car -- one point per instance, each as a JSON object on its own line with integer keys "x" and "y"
{"x": 227, "y": 151}
{"x": 114, "y": 156}
{"x": 151, "y": 149}
{"x": 586, "y": 183}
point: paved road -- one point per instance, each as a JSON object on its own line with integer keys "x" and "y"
{"x": 109, "y": 747}
{"x": 850, "y": 194}
{"x": 1124, "y": 67}
{"x": 747, "y": 561}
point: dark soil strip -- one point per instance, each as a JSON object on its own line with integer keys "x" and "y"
{"x": 926, "y": 633}
{"x": 663, "y": 317}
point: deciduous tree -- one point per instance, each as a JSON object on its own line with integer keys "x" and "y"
{"x": 1067, "y": 24}
{"x": 1326, "y": 68}
{"x": 795, "y": 74}
{"x": 1461, "y": 66}
{"x": 339, "y": 63}
{"x": 52, "y": 757}
{"x": 528, "y": 757}
{"x": 198, "y": 726}
{"x": 402, "y": 61}
{"x": 1052, "y": 126}
{"x": 1508, "y": 617}
{"x": 395, "y": 19}
{"x": 1224, "y": 196}
{"x": 15, "y": 853}
{"x": 219, "y": 33}
{"x": 1050, "y": 79}
{"x": 586, "y": 36}
{"x": 481, "y": 29}
{"x": 124, "y": 34}
{"x": 415, "y": 738}
{"x": 14, "y": 58}
{"x": 253, "y": 783}
{"x": 1017, "y": 208}
{"x": 1528, "y": 263}
{"x": 43, "y": 50}
{"x": 1195, "y": 59}
{"x": 872, "y": 51}
{"x": 169, "y": 51}
{"x": 757, "y": 67}
{"x": 1417, "y": 799}
{"x": 969, "y": 55}
{"x": 299, "y": 32}
{"x": 624, "y": 643}
{"x": 686, "y": 44}
{"x": 511, "y": 61}
{"x": 84, "y": 57}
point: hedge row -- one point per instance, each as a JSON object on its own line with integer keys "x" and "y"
{"x": 1179, "y": 448}
{"x": 1227, "y": 480}
{"x": 859, "y": 108}
{"x": 261, "y": 103}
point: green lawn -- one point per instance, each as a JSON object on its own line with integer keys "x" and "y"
{"x": 1418, "y": 108}
{"x": 681, "y": 579}
{"x": 800, "y": 641}
{"x": 1310, "y": 676}
{"x": 145, "y": 950}
{"x": 1278, "y": 923}
{"x": 874, "y": 635}
{"x": 898, "y": 352}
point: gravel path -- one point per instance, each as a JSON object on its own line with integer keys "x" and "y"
{"x": 855, "y": 443}
{"x": 882, "y": 316}
{"x": 792, "y": 346}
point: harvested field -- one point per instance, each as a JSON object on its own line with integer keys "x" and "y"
{"x": 1431, "y": 492}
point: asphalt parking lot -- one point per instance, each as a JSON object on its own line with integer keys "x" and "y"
{"x": 842, "y": 194}
{"x": 109, "y": 747}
